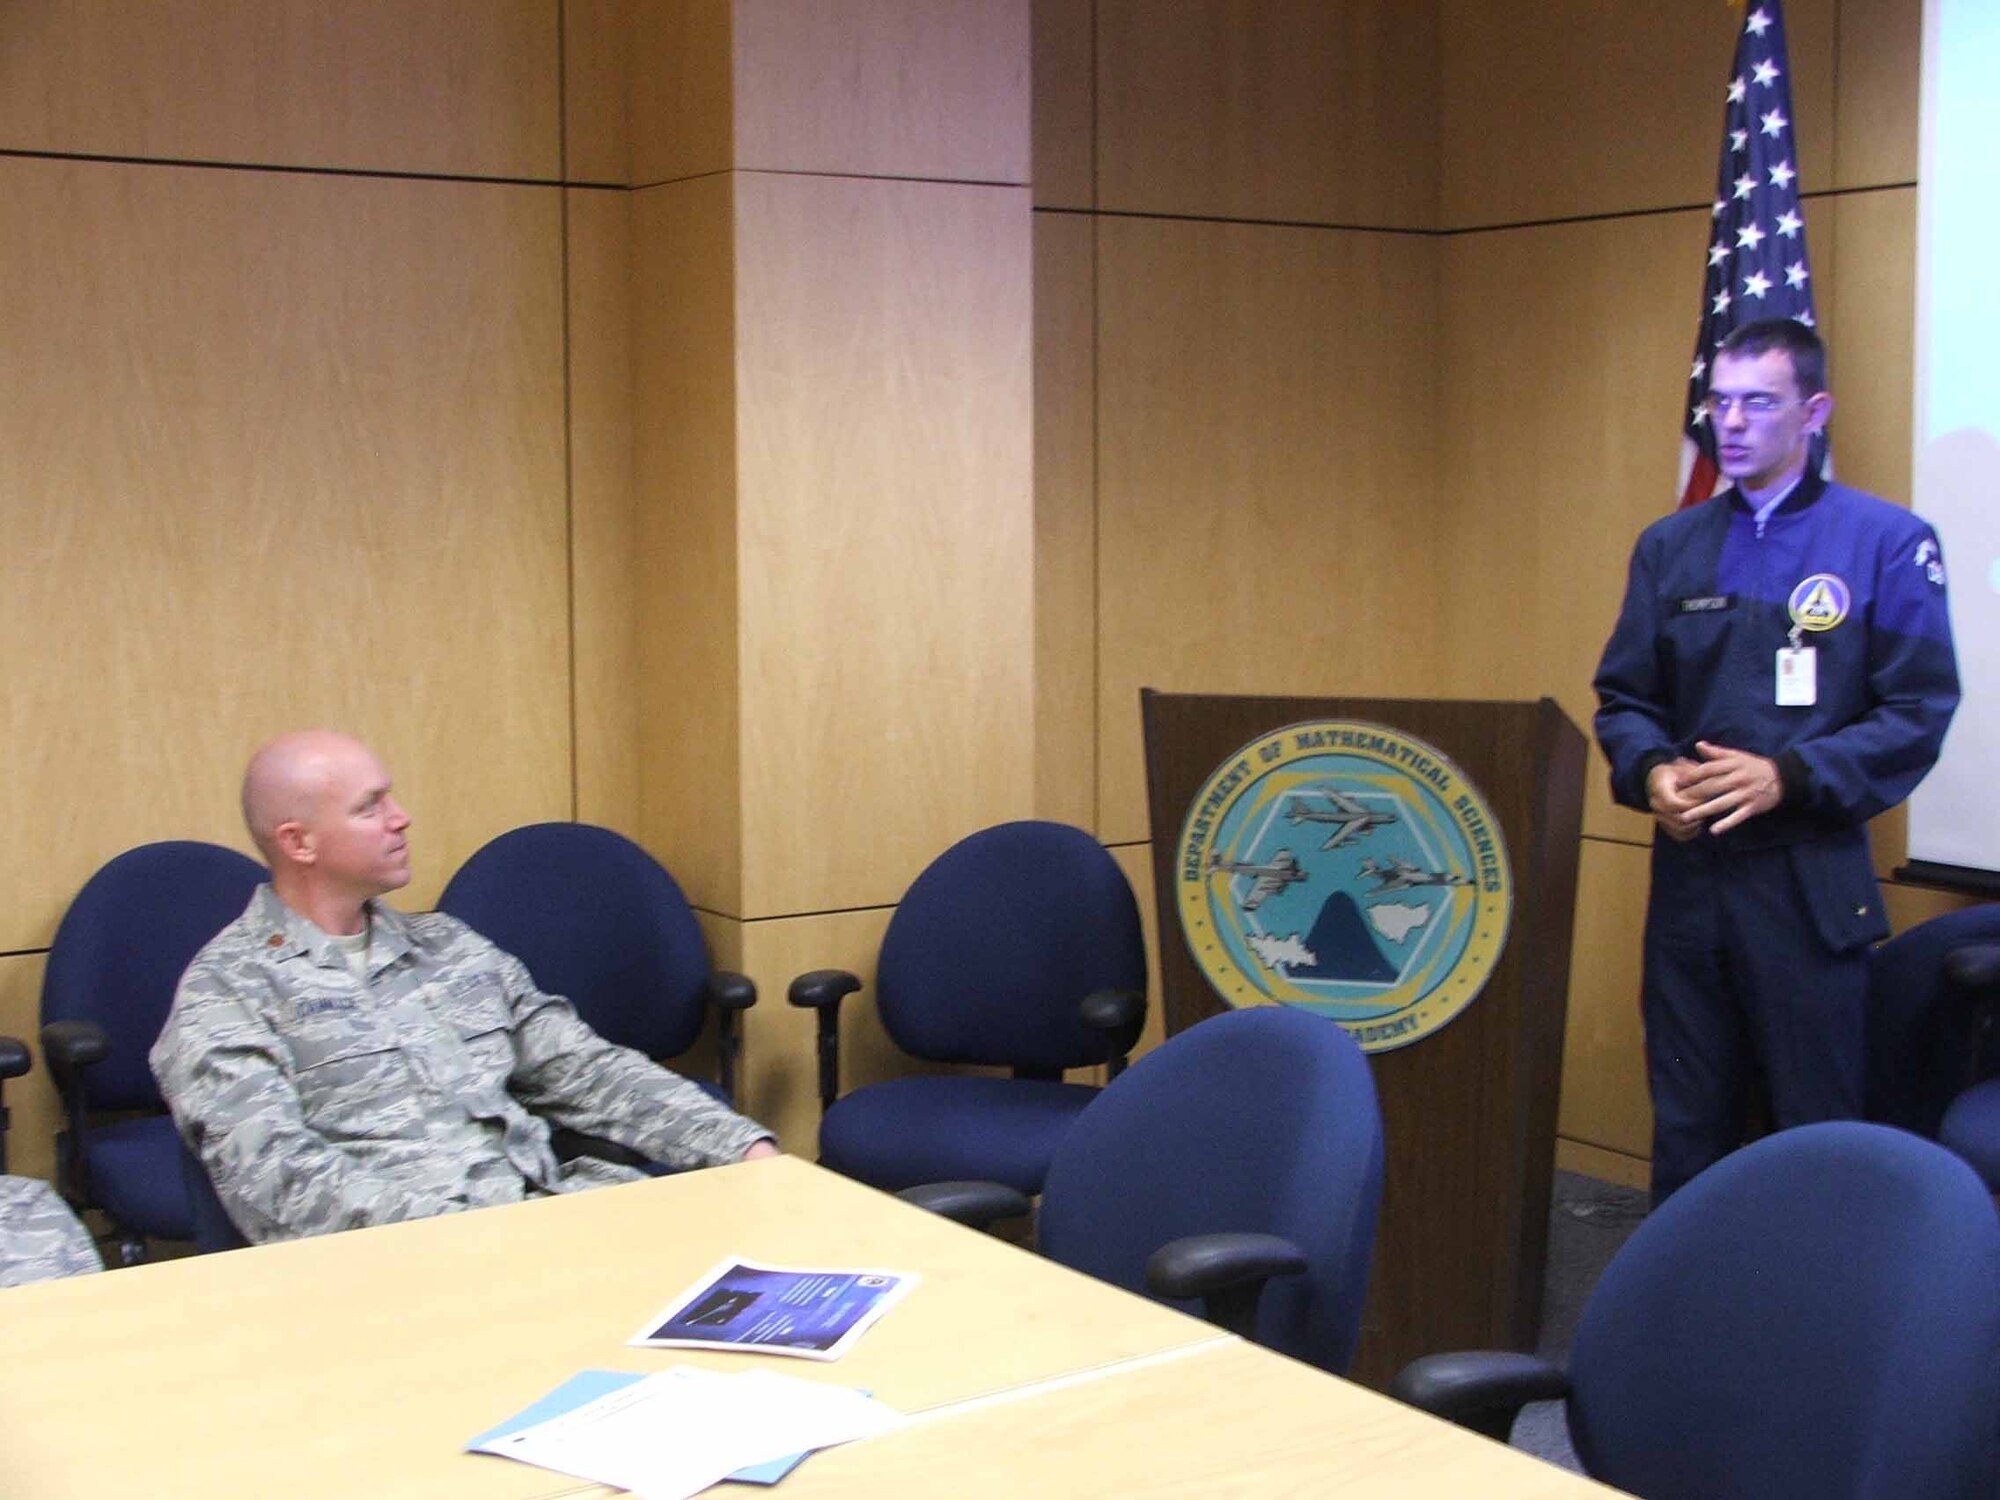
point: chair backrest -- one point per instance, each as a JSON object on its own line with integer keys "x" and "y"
{"x": 598, "y": 921}
{"x": 1919, "y": 1037}
{"x": 120, "y": 949}
{"x": 1816, "y": 1315}
{"x": 1260, "y": 1121}
{"x": 998, "y": 941}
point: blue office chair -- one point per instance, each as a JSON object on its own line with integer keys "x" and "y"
{"x": 118, "y": 954}
{"x": 1018, "y": 947}
{"x": 1238, "y": 1166}
{"x": 1817, "y": 1315}
{"x": 1931, "y": 1014}
{"x": 598, "y": 921}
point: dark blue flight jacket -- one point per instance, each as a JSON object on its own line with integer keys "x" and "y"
{"x": 1693, "y": 657}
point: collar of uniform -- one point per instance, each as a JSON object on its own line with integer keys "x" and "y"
{"x": 390, "y": 937}
{"x": 1806, "y": 493}
{"x": 289, "y": 935}
{"x": 282, "y": 933}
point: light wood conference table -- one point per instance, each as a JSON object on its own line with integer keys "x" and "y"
{"x": 358, "y": 1364}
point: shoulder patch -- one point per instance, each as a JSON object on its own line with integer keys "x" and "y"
{"x": 1931, "y": 560}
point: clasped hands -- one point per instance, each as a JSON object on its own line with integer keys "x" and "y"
{"x": 1725, "y": 785}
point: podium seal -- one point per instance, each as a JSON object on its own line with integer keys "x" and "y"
{"x": 1347, "y": 869}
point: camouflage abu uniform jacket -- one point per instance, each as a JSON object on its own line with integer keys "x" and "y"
{"x": 39, "y": 1236}
{"x": 318, "y": 1102}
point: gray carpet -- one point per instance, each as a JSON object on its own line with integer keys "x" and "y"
{"x": 1588, "y": 1221}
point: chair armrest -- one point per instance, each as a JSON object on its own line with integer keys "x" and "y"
{"x": 1481, "y": 1389}
{"x": 71, "y": 1046}
{"x": 822, "y": 990}
{"x": 1975, "y": 969}
{"x": 1227, "y": 1271}
{"x": 974, "y": 1204}
{"x": 14, "y": 1061}
{"x": 1971, "y": 983}
{"x": 569, "y": 1144}
{"x": 729, "y": 991}
{"x": 729, "y": 994}
{"x": 1120, "y": 1015}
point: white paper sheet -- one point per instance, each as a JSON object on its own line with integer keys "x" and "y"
{"x": 674, "y": 1434}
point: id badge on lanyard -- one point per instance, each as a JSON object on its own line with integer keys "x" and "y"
{"x": 1798, "y": 676}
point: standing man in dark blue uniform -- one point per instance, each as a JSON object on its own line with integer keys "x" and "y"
{"x": 1781, "y": 672}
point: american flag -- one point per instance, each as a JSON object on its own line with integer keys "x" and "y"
{"x": 1757, "y": 266}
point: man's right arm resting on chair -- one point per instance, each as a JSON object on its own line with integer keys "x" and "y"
{"x": 335, "y": 1063}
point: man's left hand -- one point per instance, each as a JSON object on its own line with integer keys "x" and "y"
{"x": 765, "y": 1147}
{"x": 1730, "y": 786}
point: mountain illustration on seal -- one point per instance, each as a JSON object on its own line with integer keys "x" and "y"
{"x": 1340, "y": 941}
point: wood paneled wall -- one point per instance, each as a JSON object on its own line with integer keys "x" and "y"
{"x": 1066, "y": 521}
{"x": 1389, "y": 315}
{"x": 279, "y": 446}
{"x": 886, "y": 493}
{"x": 1293, "y": 112}
{"x": 604, "y": 557}
{"x": 934, "y": 92}
{"x": 685, "y": 480}
{"x": 1267, "y": 474}
{"x": 453, "y": 87}
{"x": 834, "y": 476}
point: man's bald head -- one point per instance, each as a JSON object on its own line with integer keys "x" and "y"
{"x": 289, "y": 779}
{"x": 321, "y": 810}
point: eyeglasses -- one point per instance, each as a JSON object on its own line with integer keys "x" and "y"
{"x": 1756, "y": 407}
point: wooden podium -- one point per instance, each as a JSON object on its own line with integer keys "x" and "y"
{"x": 1469, "y": 1110}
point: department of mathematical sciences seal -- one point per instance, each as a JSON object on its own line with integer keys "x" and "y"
{"x": 1347, "y": 869}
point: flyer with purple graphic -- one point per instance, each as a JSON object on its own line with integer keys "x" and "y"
{"x": 812, "y": 1314}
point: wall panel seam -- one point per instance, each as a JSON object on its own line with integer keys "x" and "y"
{"x": 385, "y": 174}
{"x": 1584, "y": 1140}
{"x": 1097, "y": 589}
{"x": 568, "y": 408}
{"x": 1607, "y": 217}
{"x": 794, "y": 916}
{"x": 989, "y": 182}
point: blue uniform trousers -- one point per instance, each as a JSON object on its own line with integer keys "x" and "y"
{"x": 1740, "y": 982}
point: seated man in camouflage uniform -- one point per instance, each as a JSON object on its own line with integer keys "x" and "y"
{"x": 39, "y": 1237}
{"x": 334, "y": 1063}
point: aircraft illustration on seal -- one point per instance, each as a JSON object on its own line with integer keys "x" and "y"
{"x": 1283, "y": 870}
{"x": 1401, "y": 875}
{"x": 1350, "y": 818}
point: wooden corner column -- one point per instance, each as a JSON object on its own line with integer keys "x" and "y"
{"x": 1469, "y": 1108}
